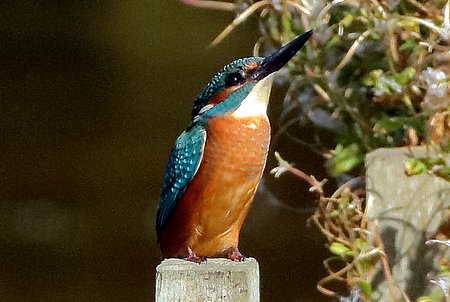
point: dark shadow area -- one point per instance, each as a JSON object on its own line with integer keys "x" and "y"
{"x": 388, "y": 235}
{"x": 421, "y": 265}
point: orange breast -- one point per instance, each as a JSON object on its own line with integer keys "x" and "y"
{"x": 209, "y": 216}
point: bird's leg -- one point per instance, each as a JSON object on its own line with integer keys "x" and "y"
{"x": 193, "y": 257}
{"x": 234, "y": 254}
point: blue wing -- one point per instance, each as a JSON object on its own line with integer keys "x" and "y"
{"x": 181, "y": 167}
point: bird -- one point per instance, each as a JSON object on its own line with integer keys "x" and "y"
{"x": 216, "y": 164}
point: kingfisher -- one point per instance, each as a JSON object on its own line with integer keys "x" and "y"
{"x": 216, "y": 164}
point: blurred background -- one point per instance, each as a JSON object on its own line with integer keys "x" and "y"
{"x": 93, "y": 95}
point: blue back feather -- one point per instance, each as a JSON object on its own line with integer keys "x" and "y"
{"x": 181, "y": 167}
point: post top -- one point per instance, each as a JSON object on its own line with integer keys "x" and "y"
{"x": 172, "y": 264}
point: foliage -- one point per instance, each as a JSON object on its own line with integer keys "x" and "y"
{"x": 342, "y": 220}
{"x": 434, "y": 165}
{"x": 375, "y": 73}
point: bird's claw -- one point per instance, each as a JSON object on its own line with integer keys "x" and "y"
{"x": 193, "y": 257}
{"x": 235, "y": 255}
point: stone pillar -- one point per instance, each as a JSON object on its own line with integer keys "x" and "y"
{"x": 407, "y": 210}
{"x": 215, "y": 280}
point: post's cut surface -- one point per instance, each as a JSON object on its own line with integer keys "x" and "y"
{"x": 214, "y": 280}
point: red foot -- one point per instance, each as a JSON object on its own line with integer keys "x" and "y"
{"x": 235, "y": 255}
{"x": 193, "y": 257}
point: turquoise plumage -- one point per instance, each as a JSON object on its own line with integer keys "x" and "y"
{"x": 182, "y": 165}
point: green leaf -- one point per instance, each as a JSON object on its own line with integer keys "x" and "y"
{"x": 431, "y": 161}
{"x": 382, "y": 83}
{"x": 346, "y": 158}
{"x": 414, "y": 166}
{"x": 360, "y": 244}
{"x": 444, "y": 269}
{"x": 395, "y": 124}
{"x": 341, "y": 250}
{"x": 347, "y": 20}
{"x": 366, "y": 288}
{"x": 374, "y": 35}
{"x": 419, "y": 165}
{"x": 317, "y": 69}
{"x": 372, "y": 78}
{"x": 443, "y": 172}
{"x": 408, "y": 45}
{"x": 364, "y": 265}
{"x": 334, "y": 214}
{"x": 405, "y": 76}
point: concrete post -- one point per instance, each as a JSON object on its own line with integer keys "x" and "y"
{"x": 215, "y": 280}
{"x": 408, "y": 210}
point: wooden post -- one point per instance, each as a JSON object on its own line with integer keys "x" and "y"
{"x": 214, "y": 280}
{"x": 407, "y": 210}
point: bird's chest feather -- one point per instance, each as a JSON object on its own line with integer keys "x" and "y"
{"x": 236, "y": 148}
{"x": 233, "y": 161}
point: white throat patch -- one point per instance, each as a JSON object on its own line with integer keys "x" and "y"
{"x": 257, "y": 100}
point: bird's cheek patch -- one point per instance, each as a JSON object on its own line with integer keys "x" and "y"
{"x": 222, "y": 95}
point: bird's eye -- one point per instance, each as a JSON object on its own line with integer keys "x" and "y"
{"x": 233, "y": 79}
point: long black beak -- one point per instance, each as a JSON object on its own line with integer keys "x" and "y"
{"x": 278, "y": 59}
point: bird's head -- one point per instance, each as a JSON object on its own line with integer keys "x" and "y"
{"x": 243, "y": 86}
